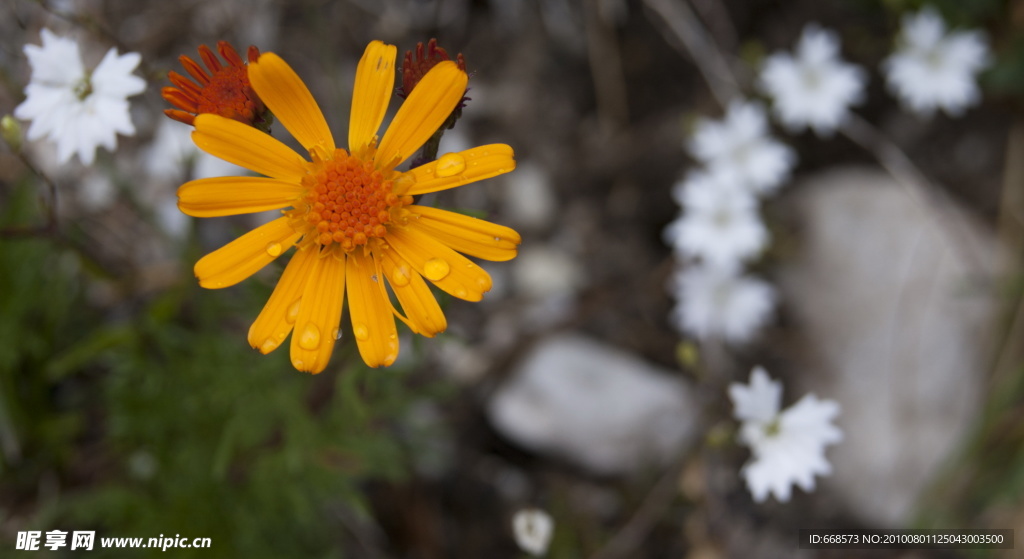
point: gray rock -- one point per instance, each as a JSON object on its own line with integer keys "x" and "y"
{"x": 894, "y": 321}
{"x": 588, "y": 403}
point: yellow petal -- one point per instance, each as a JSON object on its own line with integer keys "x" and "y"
{"x": 235, "y": 195}
{"x": 423, "y": 112}
{"x": 245, "y": 255}
{"x": 465, "y": 234}
{"x": 316, "y": 325}
{"x": 246, "y": 146}
{"x": 291, "y": 102}
{"x": 447, "y": 269}
{"x": 418, "y": 302}
{"x": 479, "y": 163}
{"x": 278, "y": 316}
{"x": 373, "y": 325}
{"x": 374, "y": 86}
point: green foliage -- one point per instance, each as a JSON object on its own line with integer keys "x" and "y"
{"x": 156, "y": 418}
{"x": 38, "y": 318}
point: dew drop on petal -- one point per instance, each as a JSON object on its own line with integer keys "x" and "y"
{"x": 361, "y": 333}
{"x": 293, "y": 312}
{"x": 268, "y": 345}
{"x": 337, "y": 333}
{"x": 461, "y": 293}
{"x": 310, "y": 337}
{"x": 399, "y": 277}
{"x": 274, "y": 249}
{"x": 403, "y": 183}
{"x": 450, "y": 164}
{"x": 436, "y": 269}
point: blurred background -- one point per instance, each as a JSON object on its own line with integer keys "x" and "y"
{"x": 132, "y": 405}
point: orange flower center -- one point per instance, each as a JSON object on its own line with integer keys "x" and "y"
{"x": 350, "y": 202}
{"x": 229, "y": 94}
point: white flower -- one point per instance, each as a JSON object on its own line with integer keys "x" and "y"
{"x": 788, "y": 447}
{"x": 718, "y": 303}
{"x": 932, "y": 69}
{"x": 719, "y": 224}
{"x": 532, "y": 529}
{"x": 758, "y": 402}
{"x": 739, "y": 145}
{"x": 75, "y": 108}
{"x": 814, "y": 88}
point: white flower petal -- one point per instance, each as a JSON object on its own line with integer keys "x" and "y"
{"x": 69, "y": 106}
{"x": 760, "y": 400}
{"x": 935, "y": 70}
{"x": 718, "y": 303}
{"x": 815, "y": 88}
{"x": 789, "y": 447}
{"x": 533, "y": 529}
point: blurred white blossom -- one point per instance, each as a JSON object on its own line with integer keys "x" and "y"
{"x": 720, "y": 223}
{"x": 932, "y": 69}
{"x": 788, "y": 447}
{"x": 169, "y": 160}
{"x": 172, "y": 154}
{"x": 532, "y": 529}
{"x": 75, "y": 108}
{"x": 715, "y": 302}
{"x": 815, "y": 87}
{"x": 739, "y": 144}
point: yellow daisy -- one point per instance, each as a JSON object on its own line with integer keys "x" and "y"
{"x": 350, "y": 214}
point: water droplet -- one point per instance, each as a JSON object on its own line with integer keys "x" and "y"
{"x": 268, "y": 345}
{"x": 497, "y": 239}
{"x": 298, "y": 364}
{"x": 274, "y": 249}
{"x": 337, "y": 333}
{"x": 400, "y": 277}
{"x": 460, "y": 293}
{"x": 361, "y": 333}
{"x": 310, "y": 338}
{"x": 374, "y": 278}
{"x": 403, "y": 183}
{"x": 436, "y": 269}
{"x": 293, "y": 312}
{"x": 450, "y": 164}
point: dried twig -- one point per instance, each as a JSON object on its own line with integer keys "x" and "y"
{"x": 687, "y": 31}
{"x": 945, "y": 218}
{"x": 606, "y": 69}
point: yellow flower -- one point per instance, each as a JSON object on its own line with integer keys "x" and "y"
{"x": 350, "y": 214}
